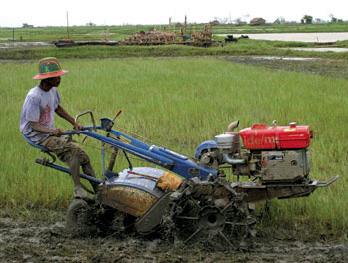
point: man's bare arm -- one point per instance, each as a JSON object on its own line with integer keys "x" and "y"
{"x": 65, "y": 115}
{"x": 35, "y": 126}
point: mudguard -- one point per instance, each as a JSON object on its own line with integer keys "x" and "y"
{"x": 132, "y": 192}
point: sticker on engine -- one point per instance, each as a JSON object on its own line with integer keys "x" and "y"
{"x": 290, "y": 129}
{"x": 275, "y": 157}
{"x": 125, "y": 140}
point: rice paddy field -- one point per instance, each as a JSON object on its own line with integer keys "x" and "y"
{"x": 120, "y": 32}
{"x": 178, "y": 103}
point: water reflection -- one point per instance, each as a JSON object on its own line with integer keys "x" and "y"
{"x": 300, "y": 37}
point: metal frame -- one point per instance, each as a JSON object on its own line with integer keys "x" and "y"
{"x": 160, "y": 156}
{"x": 157, "y": 155}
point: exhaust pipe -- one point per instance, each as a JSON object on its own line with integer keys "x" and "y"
{"x": 230, "y": 160}
{"x": 232, "y": 126}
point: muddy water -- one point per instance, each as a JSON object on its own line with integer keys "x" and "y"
{"x": 300, "y": 37}
{"x": 32, "y": 240}
{"x": 20, "y": 45}
{"x": 332, "y": 49}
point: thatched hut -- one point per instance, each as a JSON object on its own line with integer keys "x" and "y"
{"x": 257, "y": 21}
{"x": 214, "y": 23}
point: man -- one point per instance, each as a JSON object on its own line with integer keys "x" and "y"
{"x": 37, "y": 122}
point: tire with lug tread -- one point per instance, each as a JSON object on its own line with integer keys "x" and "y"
{"x": 79, "y": 218}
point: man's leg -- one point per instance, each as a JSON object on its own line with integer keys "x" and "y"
{"x": 85, "y": 163}
{"x": 72, "y": 155}
{"x": 75, "y": 174}
{"x": 88, "y": 169}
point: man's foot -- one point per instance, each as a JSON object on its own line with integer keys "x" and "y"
{"x": 80, "y": 193}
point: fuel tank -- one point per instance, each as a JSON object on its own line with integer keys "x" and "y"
{"x": 262, "y": 137}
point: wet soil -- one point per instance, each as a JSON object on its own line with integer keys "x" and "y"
{"x": 42, "y": 237}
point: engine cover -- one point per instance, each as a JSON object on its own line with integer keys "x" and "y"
{"x": 261, "y": 136}
{"x": 285, "y": 166}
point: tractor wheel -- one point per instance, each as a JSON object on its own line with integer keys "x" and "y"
{"x": 230, "y": 228}
{"x": 117, "y": 225}
{"x": 210, "y": 215}
{"x": 79, "y": 218}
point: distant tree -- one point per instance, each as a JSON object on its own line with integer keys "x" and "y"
{"x": 318, "y": 21}
{"x": 238, "y": 21}
{"x": 280, "y": 20}
{"x": 307, "y": 19}
{"x": 246, "y": 17}
{"x": 222, "y": 20}
{"x": 333, "y": 18}
{"x": 90, "y": 24}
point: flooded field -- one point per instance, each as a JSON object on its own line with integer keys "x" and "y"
{"x": 300, "y": 37}
{"x": 332, "y": 49}
{"x": 32, "y": 240}
{"x": 23, "y": 45}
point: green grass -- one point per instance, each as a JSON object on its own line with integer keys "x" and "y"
{"x": 83, "y": 33}
{"x": 179, "y": 103}
{"x": 281, "y": 28}
{"x": 77, "y": 33}
{"x": 245, "y": 47}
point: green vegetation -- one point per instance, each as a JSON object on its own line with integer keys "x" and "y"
{"x": 178, "y": 103}
{"x": 322, "y": 67}
{"x": 245, "y": 47}
{"x": 77, "y": 33}
{"x": 280, "y": 28}
{"x": 83, "y": 33}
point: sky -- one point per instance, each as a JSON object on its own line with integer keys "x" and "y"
{"x": 13, "y": 13}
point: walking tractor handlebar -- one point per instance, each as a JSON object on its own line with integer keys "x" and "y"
{"x": 84, "y": 113}
{"x": 157, "y": 155}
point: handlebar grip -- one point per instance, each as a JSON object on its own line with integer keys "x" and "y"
{"x": 118, "y": 113}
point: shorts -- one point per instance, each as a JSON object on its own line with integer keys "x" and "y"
{"x": 65, "y": 150}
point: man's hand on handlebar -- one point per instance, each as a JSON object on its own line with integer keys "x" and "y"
{"x": 78, "y": 126}
{"x": 57, "y": 132}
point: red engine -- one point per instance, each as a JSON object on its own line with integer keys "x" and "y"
{"x": 263, "y": 137}
{"x": 272, "y": 154}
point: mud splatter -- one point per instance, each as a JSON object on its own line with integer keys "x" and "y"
{"x": 36, "y": 239}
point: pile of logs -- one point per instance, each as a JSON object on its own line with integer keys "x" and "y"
{"x": 153, "y": 37}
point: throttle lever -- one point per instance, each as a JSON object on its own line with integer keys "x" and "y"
{"x": 107, "y": 124}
